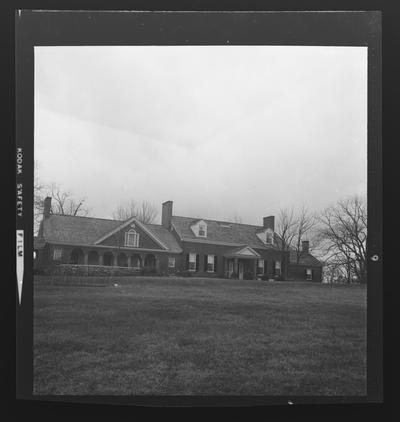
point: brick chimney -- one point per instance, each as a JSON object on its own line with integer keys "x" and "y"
{"x": 166, "y": 214}
{"x": 47, "y": 207}
{"x": 269, "y": 222}
{"x": 305, "y": 246}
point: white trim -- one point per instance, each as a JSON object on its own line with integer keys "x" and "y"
{"x": 191, "y": 254}
{"x": 126, "y": 223}
{"x": 169, "y": 260}
{"x": 59, "y": 254}
{"x": 176, "y": 231}
{"x": 235, "y": 254}
{"x": 136, "y": 237}
{"x": 153, "y": 236}
{"x": 195, "y": 227}
{"x": 211, "y": 263}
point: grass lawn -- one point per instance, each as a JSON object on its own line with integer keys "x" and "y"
{"x": 152, "y": 335}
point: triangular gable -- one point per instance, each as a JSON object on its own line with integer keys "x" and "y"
{"x": 243, "y": 251}
{"x": 247, "y": 251}
{"x": 124, "y": 225}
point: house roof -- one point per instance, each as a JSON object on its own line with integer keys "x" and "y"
{"x": 87, "y": 230}
{"x": 166, "y": 237}
{"x": 222, "y": 232}
{"x": 235, "y": 234}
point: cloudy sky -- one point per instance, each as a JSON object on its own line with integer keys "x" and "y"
{"x": 220, "y": 130}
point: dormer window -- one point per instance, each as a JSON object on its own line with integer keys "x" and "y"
{"x": 202, "y": 230}
{"x": 266, "y": 236}
{"x": 132, "y": 238}
{"x": 199, "y": 228}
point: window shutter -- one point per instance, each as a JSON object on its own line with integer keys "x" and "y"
{"x": 305, "y": 273}
{"x": 187, "y": 261}
{"x": 215, "y": 263}
{"x": 197, "y": 262}
{"x": 273, "y": 268}
{"x": 205, "y": 263}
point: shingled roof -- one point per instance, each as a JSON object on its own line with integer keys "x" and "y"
{"x": 86, "y": 230}
{"x": 223, "y": 232}
{"x": 165, "y": 236}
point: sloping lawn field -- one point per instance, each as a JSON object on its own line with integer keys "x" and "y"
{"x": 174, "y": 336}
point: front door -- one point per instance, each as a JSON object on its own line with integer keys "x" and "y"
{"x": 240, "y": 270}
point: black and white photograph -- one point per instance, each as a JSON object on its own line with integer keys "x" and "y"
{"x": 200, "y": 220}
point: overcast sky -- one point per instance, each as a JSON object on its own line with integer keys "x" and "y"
{"x": 220, "y": 130}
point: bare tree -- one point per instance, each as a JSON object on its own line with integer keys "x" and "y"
{"x": 305, "y": 224}
{"x": 286, "y": 229}
{"x": 38, "y": 199}
{"x": 124, "y": 211}
{"x": 64, "y": 203}
{"x": 145, "y": 212}
{"x": 344, "y": 234}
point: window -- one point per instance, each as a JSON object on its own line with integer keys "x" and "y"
{"x": 192, "y": 262}
{"x": 309, "y": 274}
{"x": 210, "y": 263}
{"x": 57, "y": 254}
{"x": 260, "y": 266}
{"x": 132, "y": 238}
{"x": 277, "y": 267}
{"x": 171, "y": 262}
{"x": 202, "y": 230}
{"x": 269, "y": 237}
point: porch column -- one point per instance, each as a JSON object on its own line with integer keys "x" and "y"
{"x": 100, "y": 259}
{"x": 129, "y": 261}
{"x": 115, "y": 260}
{"x": 85, "y": 257}
{"x": 255, "y": 270}
{"x": 235, "y": 267}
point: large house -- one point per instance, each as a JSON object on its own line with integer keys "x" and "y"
{"x": 180, "y": 245}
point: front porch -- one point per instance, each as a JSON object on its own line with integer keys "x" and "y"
{"x": 100, "y": 261}
{"x": 120, "y": 259}
{"x": 243, "y": 263}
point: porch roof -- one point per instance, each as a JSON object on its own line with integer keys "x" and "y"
{"x": 242, "y": 252}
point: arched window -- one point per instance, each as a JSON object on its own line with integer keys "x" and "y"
{"x": 132, "y": 238}
{"x": 135, "y": 261}
{"x": 122, "y": 260}
{"x": 76, "y": 256}
{"x": 93, "y": 258}
{"x": 108, "y": 259}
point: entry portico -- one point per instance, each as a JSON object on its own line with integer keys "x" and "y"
{"x": 240, "y": 260}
